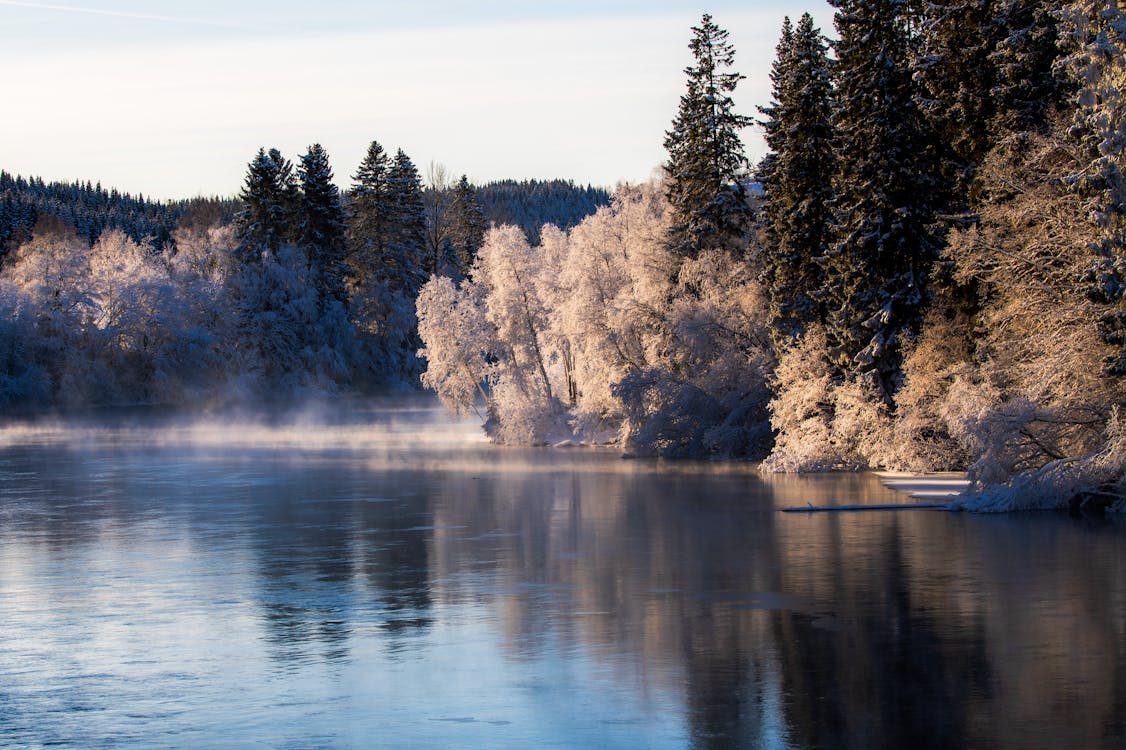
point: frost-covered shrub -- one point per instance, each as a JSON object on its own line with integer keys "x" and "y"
{"x": 921, "y": 437}
{"x": 24, "y": 380}
{"x": 824, "y": 424}
{"x": 1100, "y": 474}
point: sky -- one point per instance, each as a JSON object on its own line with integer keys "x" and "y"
{"x": 173, "y": 99}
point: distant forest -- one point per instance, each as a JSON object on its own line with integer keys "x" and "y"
{"x": 91, "y": 209}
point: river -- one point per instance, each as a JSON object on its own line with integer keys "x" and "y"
{"x": 379, "y": 576}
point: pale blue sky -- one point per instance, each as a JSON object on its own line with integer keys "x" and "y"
{"x": 172, "y": 99}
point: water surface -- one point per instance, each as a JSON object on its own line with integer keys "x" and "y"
{"x": 381, "y": 577}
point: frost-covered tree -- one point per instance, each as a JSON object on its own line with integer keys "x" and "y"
{"x": 1039, "y": 393}
{"x": 321, "y": 232}
{"x": 589, "y": 337}
{"x": 1098, "y": 33}
{"x": 706, "y": 165}
{"x": 458, "y": 344}
{"x": 797, "y": 182}
{"x": 887, "y": 193}
{"x": 24, "y": 377}
{"x": 49, "y": 273}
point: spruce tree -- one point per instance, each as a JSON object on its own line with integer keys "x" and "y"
{"x": 270, "y": 199}
{"x": 321, "y": 233}
{"x": 797, "y": 181}
{"x": 404, "y": 254}
{"x": 1027, "y": 85}
{"x": 468, "y": 230}
{"x": 958, "y": 78}
{"x": 887, "y": 191}
{"x": 706, "y": 165}
{"x": 369, "y": 192}
{"x": 369, "y": 216}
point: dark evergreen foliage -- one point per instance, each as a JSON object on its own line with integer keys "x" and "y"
{"x": 406, "y": 250}
{"x": 706, "y": 166}
{"x": 270, "y": 211}
{"x": 1028, "y": 86}
{"x": 89, "y": 208}
{"x": 321, "y": 232}
{"x": 797, "y": 179}
{"x": 369, "y": 211}
{"x": 887, "y": 195}
{"x": 958, "y": 81}
{"x": 467, "y": 231}
{"x": 529, "y": 204}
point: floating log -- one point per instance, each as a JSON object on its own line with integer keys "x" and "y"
{"x": 882, "y": 506}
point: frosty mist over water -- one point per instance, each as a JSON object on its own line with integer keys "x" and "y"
{"x": 371, "y": 575}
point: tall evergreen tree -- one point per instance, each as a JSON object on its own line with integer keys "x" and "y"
{"x": 958, "y": 78}
{"x": 467, "y": 232}
{"x": 404, "y": 253}
{"x": 797, "y": 181}
{"x": 369, "y": 212}
{"x": 1027, "y": 85}
{"x": 887, "y": 190}
{"x": 321, "y": 233}
{"x": 270, "y": 199}
{"x": 706, "y": 165}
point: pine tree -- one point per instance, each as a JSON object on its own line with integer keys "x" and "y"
{"x": 321, "y": 233}
{"x": 706, "y": 165}
{"x": 797, "y": 181}
{"x": 958, "y": 77}
{"x": 887, "y": 190}
{"x": 270, "y": 199}
{"x": 1027, "y": 87}
{"x": 468, "y": 230}
{"x": 369, "y": 213}
{"x": 403, "y": 256}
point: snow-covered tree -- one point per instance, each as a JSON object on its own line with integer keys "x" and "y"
{"x": 459, "y": 344}
{"x": 1098, "y": 33}
{"x": 706, "y": 166}
{"x": 589, "y": 337}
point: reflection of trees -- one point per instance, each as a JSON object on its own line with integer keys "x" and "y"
{"x": 884, "y": 630}
{"x": 879, "y": 673}
{"x": 892, "y": 630}
{"x": 328, "y": 558}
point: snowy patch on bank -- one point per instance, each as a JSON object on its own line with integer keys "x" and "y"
{"x": 937, "y": 486}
